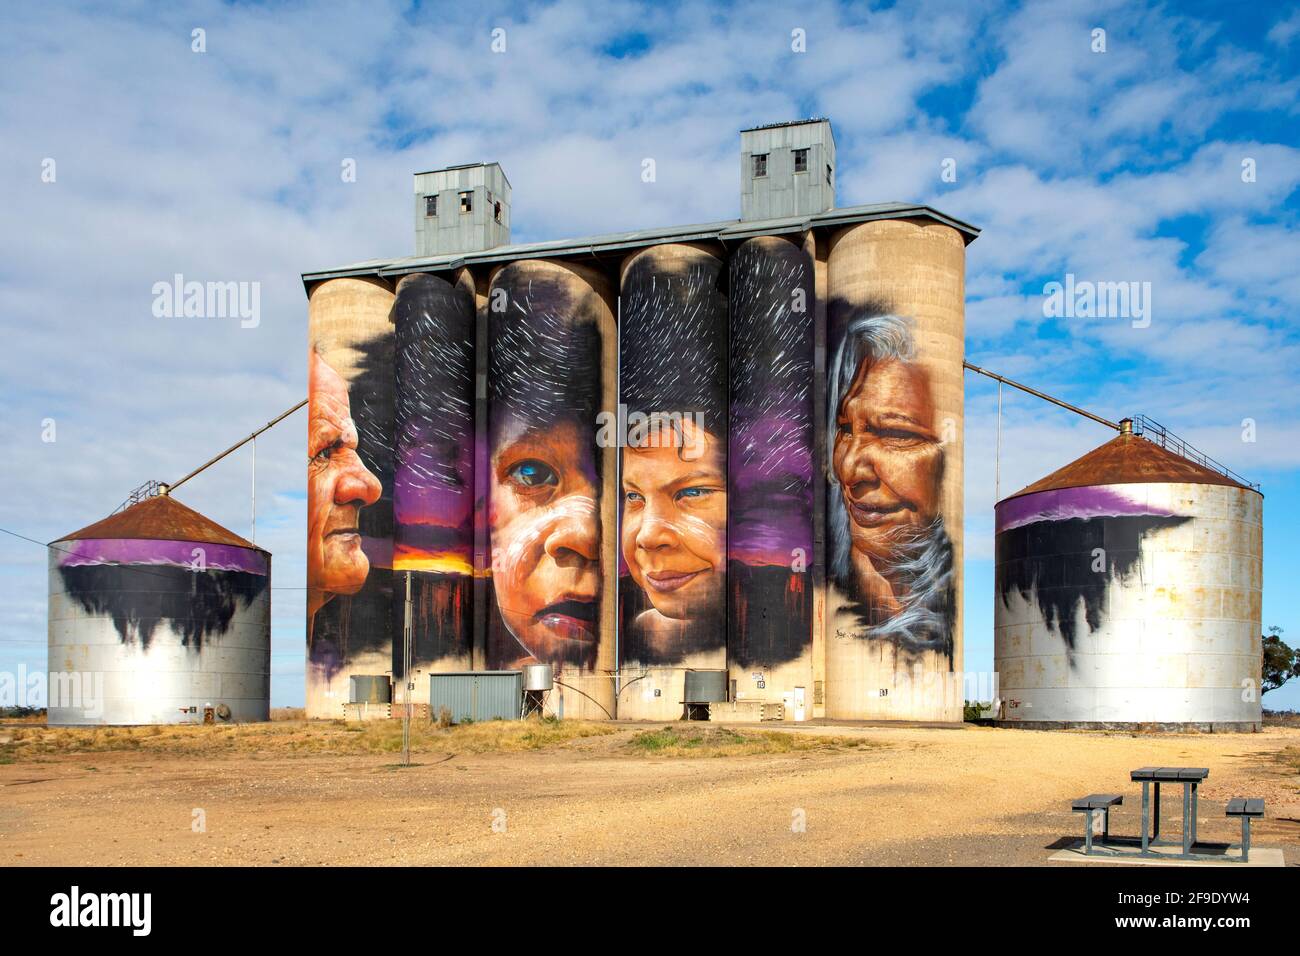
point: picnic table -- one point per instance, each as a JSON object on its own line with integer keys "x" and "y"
{"x": 1190, "y": 778}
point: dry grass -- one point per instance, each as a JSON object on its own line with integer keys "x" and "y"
{"x": 1289, "y": 758}
{"x": 705, "y": 741}
{"x": 289, "y": 738}
{"x": 283, "y": 738}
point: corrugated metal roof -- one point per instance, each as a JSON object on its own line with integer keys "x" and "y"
{"x": 1128, "y": 459}
{"x": 733, "y": 229}
{"x": 161, "y": 518}
{"x": 801, "y": 122}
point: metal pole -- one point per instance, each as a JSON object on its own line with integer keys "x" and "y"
{"x": 212, "y": 461}
{"x": 618, "y": 487}
{"x": 254, "y": 495}
{"x": 997, "y": 458}
{"x": 406, "y": 675}
{"x": 1044, "y": 396}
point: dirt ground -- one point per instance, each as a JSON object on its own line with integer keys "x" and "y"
{"x": 890, "y": 795}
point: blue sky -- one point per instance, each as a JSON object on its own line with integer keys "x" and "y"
{"x": 1123, "y": 165}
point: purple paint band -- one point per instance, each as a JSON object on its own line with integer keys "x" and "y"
{"x": 1065, "y": 503}
{"x": 180, "y": 554}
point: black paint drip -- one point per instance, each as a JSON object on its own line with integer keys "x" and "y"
{"x": 197, "y": 605}
{"x": 1052, "y": 562}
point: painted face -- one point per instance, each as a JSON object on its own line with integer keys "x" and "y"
{"x": 338, "y": 486}
{"x": 546, "y": 541}
{"x": 887, "y": 457}
{"x": 675, "y": 521}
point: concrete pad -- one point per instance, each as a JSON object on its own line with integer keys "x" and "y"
{"x": 1168, "y": 856}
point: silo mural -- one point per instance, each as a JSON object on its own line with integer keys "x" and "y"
{"x": 674, "y": 389}
{"x": 550, "y": 370}
{"x": 158, "y": 616}
{"x": 433, "y": 482}
{"x": 770, "y": 472}
{"x": 1128, "y": 593}
{"x": 748, "y": 461}
{"x": 350, "y": 451}
{"x": 894, "y": 497}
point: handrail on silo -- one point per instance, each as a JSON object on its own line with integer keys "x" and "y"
{"x": 1146, "y": 427}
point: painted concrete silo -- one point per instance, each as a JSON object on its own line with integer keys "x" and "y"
{"x": 158, "y": 615}
{"x": 673, "y": 384}
{"x": 551, "y": 479}
{"x": 433, "y": 476}
{"x": 895, "y": 344}
{"x": 350, "y": 457}
{"x": 1128, "y": 594}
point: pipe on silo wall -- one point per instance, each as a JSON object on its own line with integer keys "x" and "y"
{"x": 476, "y": 286}
{"x": 158, "y": 632}
{"x": 434, "y": 473}
{"x": 551, "y": 478}
{"x": 1130, "y": 605}
{"x": 673, "y": 533}
{"x": 349, "y": 488}
{"x": 770, "y": 474}
{"x": 895, "y": 327}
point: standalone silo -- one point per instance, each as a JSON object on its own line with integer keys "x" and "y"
{"x": 158, "y": 615}
{"x": 1128, "y": 594}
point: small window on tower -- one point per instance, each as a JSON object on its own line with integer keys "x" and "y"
{"x": 467, "y": 201}
{"x": 496, "y": 211}
{"x": 828, "y": 175}
{"x": 760, "y": 165}
{"x": 431, "y": 205}
{"x": 801, "y": 160}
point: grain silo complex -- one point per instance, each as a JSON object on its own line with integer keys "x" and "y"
{"x": 706, "y": 470}
{"x": 158, "y": 615}
{"x": 1128, "y": 594}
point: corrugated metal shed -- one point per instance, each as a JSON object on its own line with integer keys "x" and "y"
{"x": 477, "y": 695}
{"x": 161, "y": 518}
{"x": 616, "y": 243}
{"x": 1127, "y": 459}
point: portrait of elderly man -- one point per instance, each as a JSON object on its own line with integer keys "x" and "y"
{"x": 339, "y": 485}
{"x": 889, "y": 551}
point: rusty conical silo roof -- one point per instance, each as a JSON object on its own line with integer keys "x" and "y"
{"x": 1128, "y": 459}
{"x": 161, "y": 518}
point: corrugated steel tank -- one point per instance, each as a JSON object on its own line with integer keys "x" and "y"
{"x": 158, "y": 615}
{"x": 1128, "y": 593}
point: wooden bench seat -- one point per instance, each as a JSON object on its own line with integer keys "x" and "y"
{"x": 1093, "y": 803}
{"x": 1247, "y": 808}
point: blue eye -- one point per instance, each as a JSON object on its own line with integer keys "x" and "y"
{"x": 694, "y": 492}
{"x": 533, "y": 474}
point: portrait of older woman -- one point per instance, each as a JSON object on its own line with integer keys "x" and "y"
{"x": 544, "y": 477}
{"x": 889, "y": 551}
{"x": 674, "y": 474}
{"x": 339, "y": 485}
